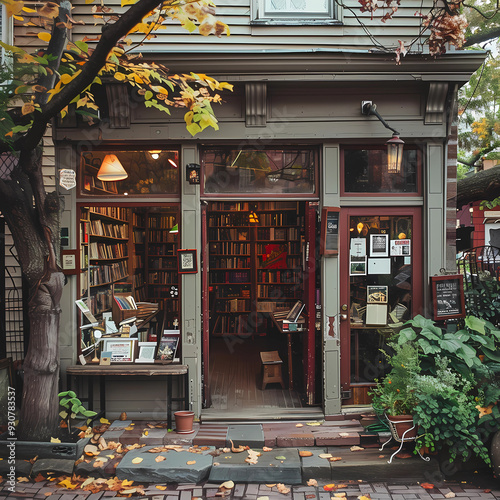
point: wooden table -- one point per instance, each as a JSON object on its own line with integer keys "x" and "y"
{"x": 130, "y": 370}
{"x": 278, "y": 321}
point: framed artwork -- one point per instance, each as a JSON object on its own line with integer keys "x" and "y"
{"x": 187, "y": 261}
{"x": 147, "y": 351}
{"x": 167, "y": 348}
{"x": 379, "y": 245}
{"x": 448, "y": 299}
{"x": 122, "y": 349}
{"x": 376, "y": 294}
{"x": 330, "y": 231}
{"x": 193, "y": 173}
{"x": 357, "y": 266}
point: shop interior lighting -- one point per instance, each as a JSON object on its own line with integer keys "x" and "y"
{"x": 394, "y": 145}
{"x": 111, "y": 169}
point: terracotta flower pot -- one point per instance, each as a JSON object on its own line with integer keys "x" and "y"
{"x": 403, "y": 423}
{"x": 184, "y": 422}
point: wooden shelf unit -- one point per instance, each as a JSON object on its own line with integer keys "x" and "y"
{"x": 255, "y": 263}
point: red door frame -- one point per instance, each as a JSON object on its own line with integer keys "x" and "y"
{"x": 344, "y": 296}
{"x": 205, "y": 347}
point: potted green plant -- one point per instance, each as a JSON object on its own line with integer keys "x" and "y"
{"x": 395, "y": 395}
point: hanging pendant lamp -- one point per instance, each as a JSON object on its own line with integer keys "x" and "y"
{"x": 111, "y": 169}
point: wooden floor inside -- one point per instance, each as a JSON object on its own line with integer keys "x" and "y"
{"x": 235, "y": 376}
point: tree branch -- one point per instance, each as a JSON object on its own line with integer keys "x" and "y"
{"x": 473, "y": 159}
{"x": 111, "y": 34}
{"x": 484, "y": 36}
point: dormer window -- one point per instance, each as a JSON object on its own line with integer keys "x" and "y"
{"x": 294, "y": 11}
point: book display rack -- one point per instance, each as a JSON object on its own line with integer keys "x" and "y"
{"x": 255, "y": 263}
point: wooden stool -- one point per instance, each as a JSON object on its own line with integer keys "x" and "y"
{"x": 271, "y": 368}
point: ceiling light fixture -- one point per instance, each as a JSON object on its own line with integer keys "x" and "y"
{"x": 394, "y": 145}
{"x": 111, "y": 169}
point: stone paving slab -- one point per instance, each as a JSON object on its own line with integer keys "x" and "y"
{"x": 175, "y": 468}
{"x": 314, "y": 467}
{"x": 52, "y": 466}
{"x": 247, "y": 435}
{"x": 184, "y": 439}
{"x": 211, "y": 435}
{"x": 269, "y": 469}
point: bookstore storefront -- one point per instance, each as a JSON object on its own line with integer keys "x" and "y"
{"x": 271, "y": 261}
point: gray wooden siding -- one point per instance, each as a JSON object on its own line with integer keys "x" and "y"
{"x": 246, "y": 36}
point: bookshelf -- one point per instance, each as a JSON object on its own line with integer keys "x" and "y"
{"x": 160, "y": 257}
{"x": 255, "y": 263}
{"x": 104, "y": 254}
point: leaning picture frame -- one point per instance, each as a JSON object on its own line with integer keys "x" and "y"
{"x": 167, "y": 349}
{"x": 187, "y": 261}
{"x": 122, "y": 349}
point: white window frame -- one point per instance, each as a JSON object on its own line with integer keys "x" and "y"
{"x": 261, "y": 15}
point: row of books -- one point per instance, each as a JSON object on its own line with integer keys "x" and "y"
{"x": 125, "y": 302}
{"x": 162, "y": 222}
{"x": 162, "y": 277}
{"x": 138, "y": 260}
{"x": 228, "y": 234}
{"x": 268, "y": 205}
{"x": 156, "y": 236}
{"x": 278, "y": 233}
{"x": 120, "y": 213}
{"x": 107, "y": 250}
{"x": 279, "y": 276}
{"x": 230, "y": 247}
{"x": 100, "y": 302}
{"x": 231, "y": 219}
{"x": 163, "y": 263}
{"x": 162, "y": 249}
{"x": 229, "y": 262}
{"x": 229, "y": 277}
{"x": 100, "y": 228}
{"x": 271, "y": 291}
{"x": 107, "y": 273}
{"x": 231, "y": 325}
{"x": 138, "y": 236}
{"x": 242, "y": 291}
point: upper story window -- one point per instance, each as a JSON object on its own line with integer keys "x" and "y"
{"x": 294, "y": 11}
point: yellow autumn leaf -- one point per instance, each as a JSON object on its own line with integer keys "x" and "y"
{"x": 119, "y": 76}
{"x": 55, "y": 440}
{"x": 137, "y": 460}
{"x": 127, "y": 482}
{"x": 66, "y": 78}
{"x": 28, "y": 9}
{"x": 26, "y": 110}
{"x": 45, "y": 36}
{"x": 128, "y": 2}
{"x": 104, "y": 421}
{"x": 160, "y": 487}
{"x": 18, "y": 18}
{"x": 66, "y": 483}
{"x": 23, "y": 480}
{"x": 82, "y": 102}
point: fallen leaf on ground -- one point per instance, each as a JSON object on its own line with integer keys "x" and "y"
{"x": 135, "y": 446}
{"x": 364, "y": 497}
{"x": 313, "y": 424}
{"x": 104, "y": 421}
{"x": 312, "y": 482}
{"x": 123, "y": 416}
{"x": 128, "y": 492}
{"x": 450, "y": 494}
{"x": 329, "y": 487}
{"x": 344, "y": 434}
{"x": 22, "y": 479}
{"x": 262, "y": 498}
{"x": 342, "y": 494}
{"x": 39, "y": 478}
{"x": 91, "y": 450}
{"x": 191, "y": 462}
{"x": 55, "y": 440}
{"x": 98, "y": 463}
{"x": 325, "y": 455}
{"x": 381, "y": 456}
{"x": 270, "y": 485}
{"x": 335, "y": 459}
{"x": 299, "y": 425}
{"x": 161, "y": 487}
{"x": 137, "y": 460}
{"x": 228, "y": 485}
{"x": 280, "y": 457}
{"x": 87, "y": 482}
{"x": 356, "y": 448}
{"x": 282, "y": 489}
{"x": 304, "y": 453}
{"x": 239, "y": 449}
{"x": 129, "y": 428}
{"x": 266, "y": 448}
{"x": 486, "y": 491}
{"x": 66, "y": 483}
{"x": 160, "y": 458}
{"x": 404, "y": 455}
{"x": 427, "y": 486}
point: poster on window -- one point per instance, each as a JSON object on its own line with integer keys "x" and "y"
{"x": 379, "y": 245}
{"x": 400, "y": 248}
{"x": 358, "y": 247}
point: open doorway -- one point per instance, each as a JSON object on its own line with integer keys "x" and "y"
{"x": 257, "y": 272}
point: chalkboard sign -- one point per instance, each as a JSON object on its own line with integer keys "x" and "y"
{"x": 448, "y": 297}
{"x": 330, "y": 231}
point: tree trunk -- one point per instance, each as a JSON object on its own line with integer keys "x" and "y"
{"x": 40, "y": 409}
{"x": 484, "y": 185}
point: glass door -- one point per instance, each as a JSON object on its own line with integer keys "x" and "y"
{"x": 381, "y": 257}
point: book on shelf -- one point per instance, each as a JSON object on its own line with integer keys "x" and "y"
{"x": 125, "y": 302}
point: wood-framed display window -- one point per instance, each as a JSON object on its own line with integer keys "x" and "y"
{"x": 448, "y": 301}
{"x": 280, "y": 171}
{"x": 359, "y": 179}
{"x": 152, "y": 171}
{"x": 133, "y": 244}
